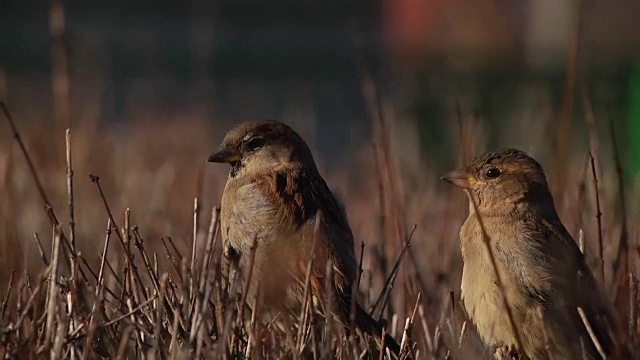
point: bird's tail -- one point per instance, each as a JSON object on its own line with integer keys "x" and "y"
{"x": 369, "y": 325}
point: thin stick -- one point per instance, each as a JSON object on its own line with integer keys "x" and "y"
{"x": 360, "y": 271}
{"x": 595, "y": 160}
{"x": 196, "y": 298}
{"x": 426, "y": 330}
{"x": 494, "y": 265}
{"x": 173, "y": 344}
{"x": 6, "y": 299}
{"x": 130, "y": 266}
{"x": 23, "y": 149}
{"x": 329, "y": 290}
{"x": 96, "y": 180}
{"x": 252, "y": 335}
{"x": 53, "y": 287}
{"x": 307, "y": 299}
{"x": 124, "y": 339}
{"x": 592, "y": 334}
{"x": 43, "y": 196}
{"x": 207, "y": 276}
{"x": 245, "y": 291}
{"x": 139, "y": 244}
{"x": 408, "y": 327}
{"x": 598, "y": 216}
{"x": 194, "y": 244}
{"x": 131, "y": 312}
{"x": 388, "y": 285}
{"x": 582, "y": 191}
{"x": 158, "y": 323}
{"x": 99, "y": 289}
{"x": 114, "y": 273}
{"x": 199, "y": 297}
{"x": 28, "y": 306}
{"x": 383, "y": 350}
{"x": 173, "y": 246}
{"x": 305, "y": 306}
{"x": 58, "y": 341}
{"x": 72, "y": 233}
{"x": 209, "y": 247}
{"x": 171, "y": 258}
{"x": 390, "y": 187}
{"x": 43, "y": 256}
{"x": 72, "y": 221}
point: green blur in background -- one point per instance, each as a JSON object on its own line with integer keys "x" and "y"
{"x": 505, "y": 62}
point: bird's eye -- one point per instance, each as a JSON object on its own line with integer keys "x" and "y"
{"x": 255, "y": 143}
{"x": 492, "y": 173}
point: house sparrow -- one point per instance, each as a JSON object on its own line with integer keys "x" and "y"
{"x": 276, "y": 197}
{"x": 543, "y": 274}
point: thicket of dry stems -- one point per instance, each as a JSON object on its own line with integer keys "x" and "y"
{"x": 106, "y": 253}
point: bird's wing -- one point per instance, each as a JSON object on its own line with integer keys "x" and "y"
{"x": 337, "y": 234}
{"x": 325, "y": 235}
{"x": 584, "y": 290}
{"x": 304, "y": 201}
{"x": 328, "y": 230}
{"x": 571, "y": 283}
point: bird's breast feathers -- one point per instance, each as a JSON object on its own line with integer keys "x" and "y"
{"x": 246, "y": 215}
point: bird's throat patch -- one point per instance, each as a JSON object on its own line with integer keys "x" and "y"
{"x": 235, "y": 167}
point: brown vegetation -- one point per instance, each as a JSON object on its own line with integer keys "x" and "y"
{"x": 135, "y": 258}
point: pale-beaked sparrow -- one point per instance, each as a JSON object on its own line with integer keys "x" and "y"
{"x": 544, "y": 275}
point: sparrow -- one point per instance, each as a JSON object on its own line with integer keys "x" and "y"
{"x": 276, "y": 204}
{"x": 543, "y": 275}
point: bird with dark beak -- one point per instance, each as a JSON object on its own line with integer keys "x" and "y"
{"x": 275, "y": 199}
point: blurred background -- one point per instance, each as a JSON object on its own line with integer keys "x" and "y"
{"x": 149, "y": 88}
{"x": 229, "y": 60}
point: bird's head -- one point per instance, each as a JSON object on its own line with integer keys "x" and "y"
{"x": 262, "y": 146}
{"x": 503, "y": 176}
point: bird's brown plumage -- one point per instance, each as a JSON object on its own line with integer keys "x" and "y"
{"x": 275, "y": 195}
{"x": 543, "y": 273}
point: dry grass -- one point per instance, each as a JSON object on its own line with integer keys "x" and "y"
{"x": 126, "y": 263}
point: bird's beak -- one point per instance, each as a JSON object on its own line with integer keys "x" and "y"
{"x": 460, "y": 178}
{"x": 224, "y": 155}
